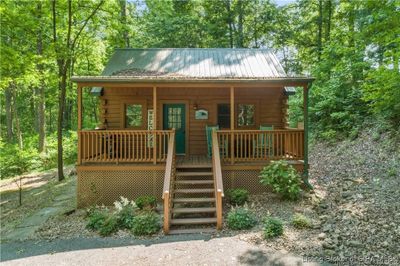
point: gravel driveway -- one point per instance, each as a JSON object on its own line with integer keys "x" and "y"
{"x": 172, "y": 250}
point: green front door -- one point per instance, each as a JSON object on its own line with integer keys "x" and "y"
{"x": 174, "y": 117}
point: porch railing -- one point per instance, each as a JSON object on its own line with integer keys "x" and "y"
{"x": 98, "y": 146}
{"x": 217, "y": 174}
{"x": 169, "y": 179}
{"x": 255, "y": 145}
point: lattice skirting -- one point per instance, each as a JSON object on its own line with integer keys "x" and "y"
{"x": 248, "y": 179}
{"x": 105, "y": 187}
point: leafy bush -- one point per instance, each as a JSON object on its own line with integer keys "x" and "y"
{"x": 238, "y": 196}
{"x": 241, "y": 218}
{"x": 109, "y": 226}
{"x": 283, "y": 179}
{"x": 273, "y": 227}
{"x": 96, "y": 217}
{"x": 301, "y": 221}
{"x": 125, "y": 211}
{"x": 146, "y": 202}
{"x": 147, "y": 223}
{"x": 101, "y": 220}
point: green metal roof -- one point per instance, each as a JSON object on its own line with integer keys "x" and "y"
{"x": 192, "y": 64}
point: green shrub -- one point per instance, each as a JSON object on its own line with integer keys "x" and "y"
{"x": 96, "y": 218}
{"x": 125, "y": 211}
{"x": 146, "y": 202}
{"x": 283, "y": 179}
{"x": 237, "y": 196}
{"x": 241, "y": 218}
{"x": 101, "y": 220}
{"x": 147, "y": 223}
{"x": 273, "y": 227}
{"x": 300, "y": 221}
{"x": 109, "y": 226}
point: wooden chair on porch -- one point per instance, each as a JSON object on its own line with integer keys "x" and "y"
{"x": 264, "y": 143}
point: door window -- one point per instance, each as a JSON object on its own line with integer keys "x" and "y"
{"x": 175, "y": 118}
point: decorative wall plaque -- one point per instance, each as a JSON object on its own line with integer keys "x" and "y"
{"x": 201, "y": 114}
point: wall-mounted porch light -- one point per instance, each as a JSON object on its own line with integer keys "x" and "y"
{"x": 96, "y": 91}
{"x": 289, "y": 91}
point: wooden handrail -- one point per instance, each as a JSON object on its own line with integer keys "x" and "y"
{"x": 168, "y": 178}
{"x": 217, "y": 174}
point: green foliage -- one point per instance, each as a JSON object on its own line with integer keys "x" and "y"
{"x": 301, "y": 221}
{"x": 125, "y": 211}
{"x": 97, "y": 217}
{"x": 273, "y": 227}
{"x": 282, "y": 178}
{"x": 238, "y": 196}
{"x": 109, "y": 225}
{"x": 382, "y": 92}
{"x": 146, "y": 223}
{"x": 241, "y": 218}
{"x": 15, "y": 161}
{"x": 146, "y": 202}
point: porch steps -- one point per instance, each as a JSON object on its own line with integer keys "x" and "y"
{"x": 194, "y": 190}
{"x": 193, "y": 209}
{"x": 194, "y": 174}
{"x": 193, "y": 200}
{"x": 194, "y": 221}
{"x": 193, "y": 231}
{"x": 194, "y": 166}
{"x": 194, "y": 182}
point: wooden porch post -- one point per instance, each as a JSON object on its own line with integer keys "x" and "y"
{"x": 154, "y": 124}
{"x": 79, "y": 123}
{"x": 305, "y": 112}
{"x": 232, "y": 103}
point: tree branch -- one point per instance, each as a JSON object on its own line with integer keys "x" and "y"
{"x": 85, "y": 23}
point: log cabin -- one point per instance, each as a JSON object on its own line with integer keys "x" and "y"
{"x": 185, "y": 125}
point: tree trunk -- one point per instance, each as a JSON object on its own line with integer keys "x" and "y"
{"x": 230, "y": 22}
{"x": 40, "y": 96}
{"x": 240, "y": 25}
{"x": 61, "y": 105}
{"x": 328, "y": 21}
{"x": 17, "y": 122}
{"x": 9, "y": 114}
{"x": 319, "y": 40}
{"x": 125, "y": 32}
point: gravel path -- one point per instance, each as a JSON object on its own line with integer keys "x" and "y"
{"x": 177, "y": 250}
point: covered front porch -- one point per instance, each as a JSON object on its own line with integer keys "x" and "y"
{"x": 238, "y": 147}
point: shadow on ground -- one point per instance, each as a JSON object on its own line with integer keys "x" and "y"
{"x": 30, "y": 248}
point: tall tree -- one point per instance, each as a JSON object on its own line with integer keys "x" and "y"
{"x": 40, "y": 90}
{"x": 64, "y": 49}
